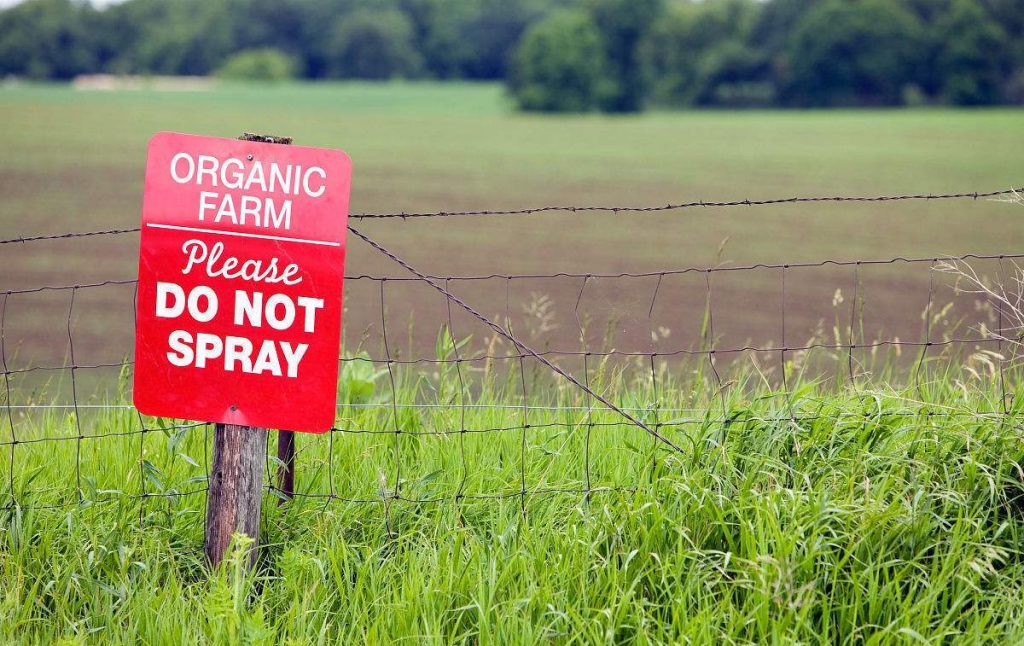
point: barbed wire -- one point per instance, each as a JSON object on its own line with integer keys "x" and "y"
{"x": 69, "y": 235}
{"x": 973, "y": 195}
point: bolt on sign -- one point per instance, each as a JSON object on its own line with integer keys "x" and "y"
{"x": 238, "y": 313}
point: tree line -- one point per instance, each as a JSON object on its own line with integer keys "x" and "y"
{"x": 555, "y": 55}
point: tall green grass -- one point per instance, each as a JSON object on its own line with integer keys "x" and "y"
{"x": 831, "y": 512}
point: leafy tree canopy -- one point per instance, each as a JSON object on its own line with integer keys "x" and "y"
{"x": 666, "y": 52}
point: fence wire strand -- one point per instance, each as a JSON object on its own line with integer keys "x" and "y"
{"x": 972, "y": 195}
{"x": 402, "y": 426}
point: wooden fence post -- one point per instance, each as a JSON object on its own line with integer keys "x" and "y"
{"x": 235, "y": 494}
{"x": 286, "y": 468}
{"x": 236, "y": 488}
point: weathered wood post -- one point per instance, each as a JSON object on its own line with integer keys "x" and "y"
{"x": 236, "y": 488}
{"x": 235, "y": 494}
{"x": 286, "y": 466}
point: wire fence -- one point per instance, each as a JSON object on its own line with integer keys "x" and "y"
{"x": 64, "y": 378}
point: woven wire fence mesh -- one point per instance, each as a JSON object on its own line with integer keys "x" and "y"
{"x": 480, "y": 387}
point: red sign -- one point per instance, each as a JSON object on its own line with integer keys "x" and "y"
{"x": 238, "y": 313}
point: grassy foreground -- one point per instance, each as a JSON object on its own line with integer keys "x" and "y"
{"x": 879, "y": 515}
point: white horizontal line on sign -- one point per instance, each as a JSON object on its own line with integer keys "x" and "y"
{"x": 175, "y": 227}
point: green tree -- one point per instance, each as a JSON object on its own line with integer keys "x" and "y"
{"x": 174, "y": 36}
{"x": 435, "y": 33}
{"x": 623, "y": 24}
{"x": 852, "y": 52}
{"x": 48, "y": 39}
{"x": 492, "y": 31}
{"x": 559, "y": 65}
{"x": 1008, "y": 14}
{"x": 371, "y": 44}
{"x": 263, "y": 64}
{"x": 772, "y": 33}
{"x": 699, "y": 54}
{"x": 972, "y": 55}
{"x": 471, "y": 38}
{"x": 674, "y": 52}
{"x": 284, "y": 25}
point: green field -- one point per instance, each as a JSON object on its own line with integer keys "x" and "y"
{"x": 73, "y": 160}
{"x": 867, "y": 497}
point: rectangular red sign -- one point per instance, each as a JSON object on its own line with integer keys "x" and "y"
{"x": 238, "y": 313}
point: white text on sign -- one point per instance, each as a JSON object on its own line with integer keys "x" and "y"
{"x": 251, "y": 309}
{"x": 250, "y": 176}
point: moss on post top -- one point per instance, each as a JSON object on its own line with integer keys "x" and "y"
{"x": 266, "y": 139}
